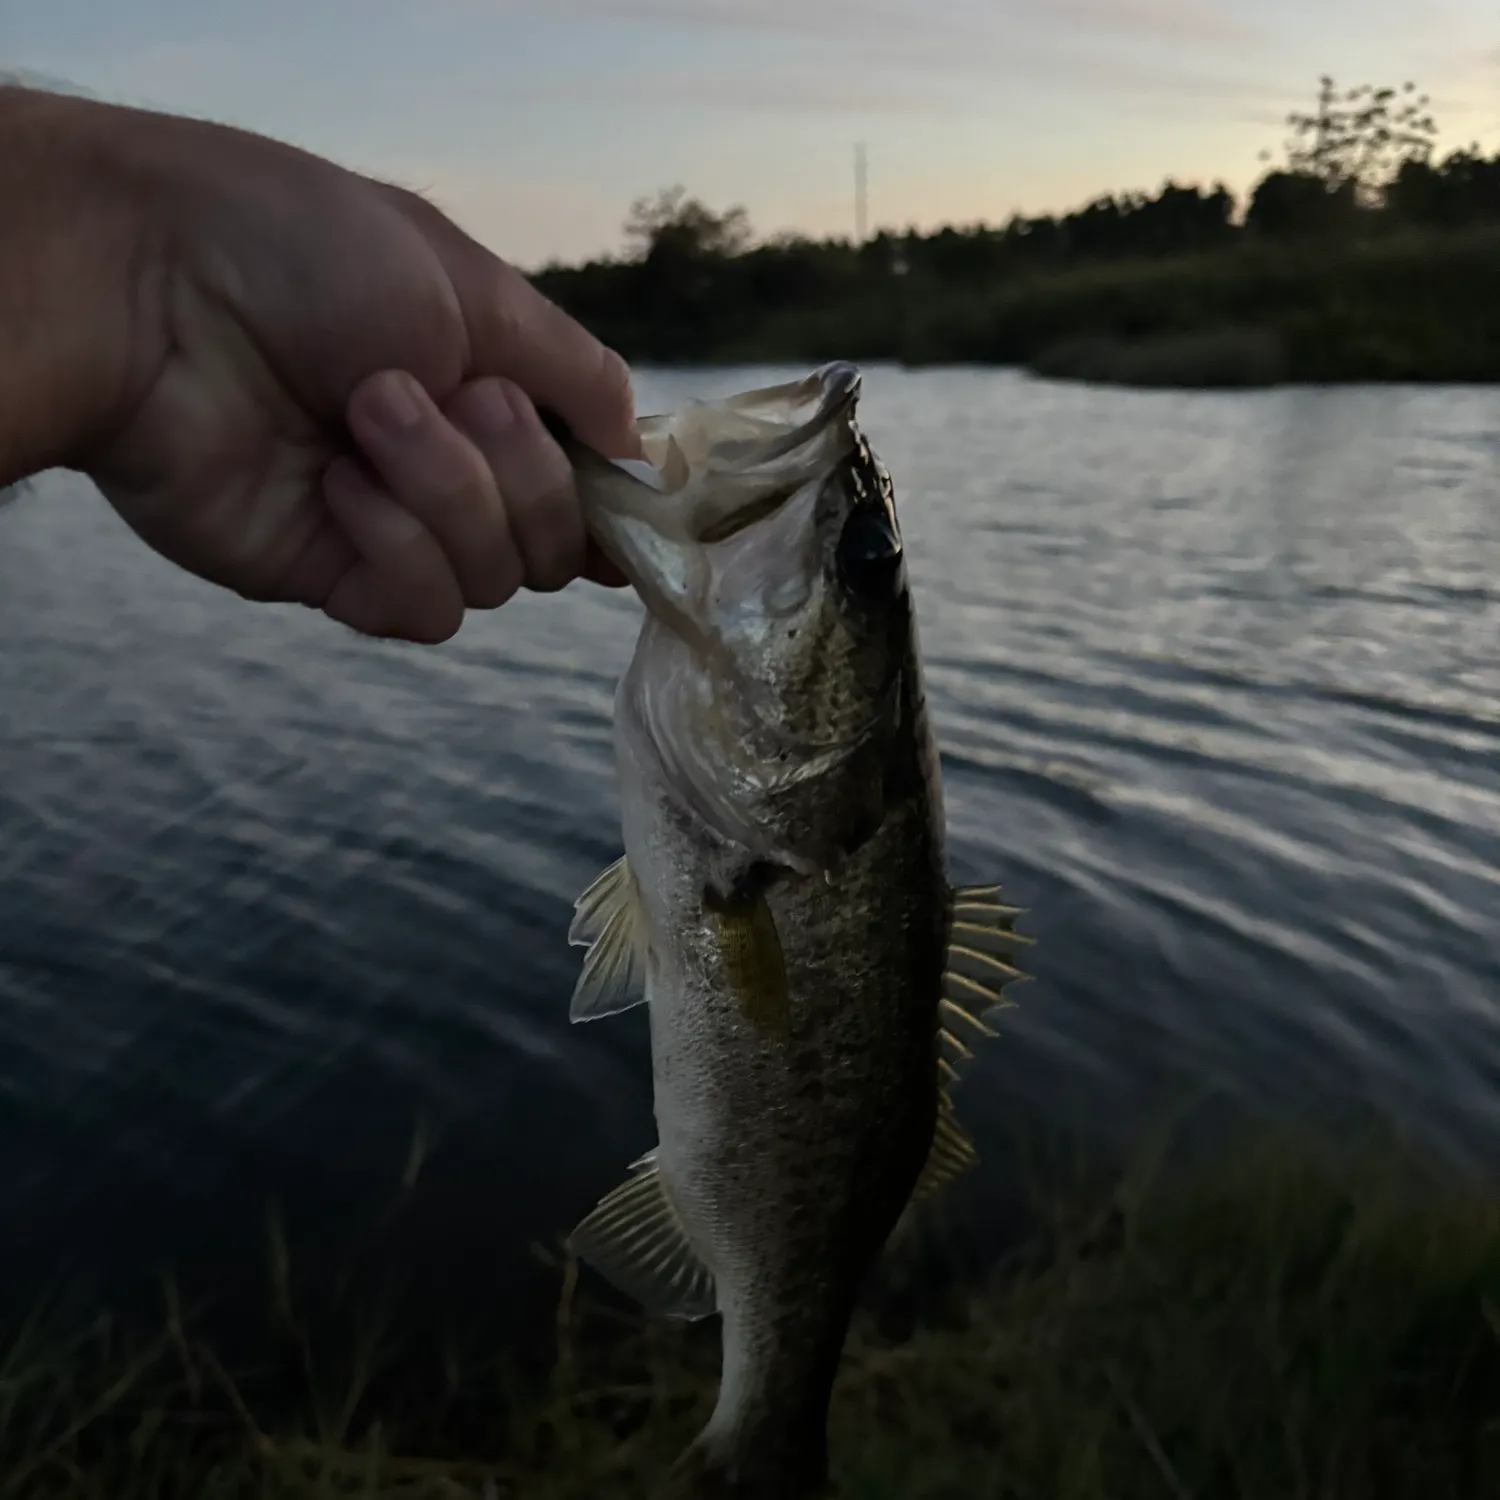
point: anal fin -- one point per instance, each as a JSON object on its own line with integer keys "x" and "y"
{"x": 635, "y": 1239}
{"x": 607, "y": 921}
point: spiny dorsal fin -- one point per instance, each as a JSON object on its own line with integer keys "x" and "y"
{"x": 981, "y": 941}
{"x": 952, "y": 1152}
{"x": 635, "y": 1239}
{"x": 981, "y": 948}
{"x": 606, "y": 920}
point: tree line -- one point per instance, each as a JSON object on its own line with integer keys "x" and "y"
{"x": 696, "y": 283}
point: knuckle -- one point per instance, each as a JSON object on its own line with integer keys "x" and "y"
{"x": 510, "y": 293}
{"x": 410, "y": 202}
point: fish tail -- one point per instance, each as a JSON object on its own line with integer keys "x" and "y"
{"x": 768, "y": 1436}
{"x": 715, "y": 1469}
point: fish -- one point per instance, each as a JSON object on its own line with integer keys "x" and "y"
{"x": 814, "y": 984}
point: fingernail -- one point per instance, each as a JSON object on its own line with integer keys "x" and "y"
{"x": 491, "y": 407}
{"x": 393, "y": 403}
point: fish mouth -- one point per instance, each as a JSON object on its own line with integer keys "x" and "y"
{"x": 836, "y": 388}
{"x": 752, "y": 420}
{"x": 709, "y": 471}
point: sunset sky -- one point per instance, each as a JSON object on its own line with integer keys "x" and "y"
{"x": 535, "y": 122}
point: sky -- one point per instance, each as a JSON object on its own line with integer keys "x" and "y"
{"x": 535, "y": 123}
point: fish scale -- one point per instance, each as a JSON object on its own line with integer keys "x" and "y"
{"x": 814, "y": 985}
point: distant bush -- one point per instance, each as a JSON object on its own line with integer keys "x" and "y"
{"x": 1218, "y": 357}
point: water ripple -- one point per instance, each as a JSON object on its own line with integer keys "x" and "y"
{"x": 1218, "y": 693}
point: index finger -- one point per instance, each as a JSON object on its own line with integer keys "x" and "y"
{"x": 516, "y": 332}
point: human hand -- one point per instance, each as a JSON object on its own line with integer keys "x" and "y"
{"x": 327, "y": 394}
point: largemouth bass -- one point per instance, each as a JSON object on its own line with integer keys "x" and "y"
{"x": 782, "y": 906}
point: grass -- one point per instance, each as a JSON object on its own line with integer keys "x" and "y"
{"x": 1274, "y": 1323}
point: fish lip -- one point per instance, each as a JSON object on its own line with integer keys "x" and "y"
{"x": 835, "y": 386}
{"x": 841, "y": 383}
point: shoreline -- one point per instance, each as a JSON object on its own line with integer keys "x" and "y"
{"x": 1274, "y": 1317}
{"x": 1419, "y": 308}
{"x": 1101, "y": 382}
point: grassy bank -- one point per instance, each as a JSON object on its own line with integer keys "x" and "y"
{"x": 1274, "y": 1325}
{"x": 1403, "y": 306}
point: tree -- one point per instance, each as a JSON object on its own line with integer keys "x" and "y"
{"x": 684, "y": 227}
{"x": 1361, "y": 137}
{"x": 1462, "y": 190}
{"x": 1288, "y": 205}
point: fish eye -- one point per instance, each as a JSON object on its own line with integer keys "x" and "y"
{"x": 869, "y": 555}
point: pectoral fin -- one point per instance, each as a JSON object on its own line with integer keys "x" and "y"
{"x": 607, "y": 921}
{"x": 754, "y": 964}
{"x": 636, "y": 1240}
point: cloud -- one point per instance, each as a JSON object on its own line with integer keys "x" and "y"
{"x": 778, "y": 93}
{"x": 960, "y": 60}
{"x": 1116, "y": 88}
{"x": 839, "y": 20}
{"x": 854, "y": 22}
{"x": 1171, "y": 20}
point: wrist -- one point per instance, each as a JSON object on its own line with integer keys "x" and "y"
{"x": 76, "y": 281}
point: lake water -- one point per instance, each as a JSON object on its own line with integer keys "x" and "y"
{"x": 1217, "y": 681}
